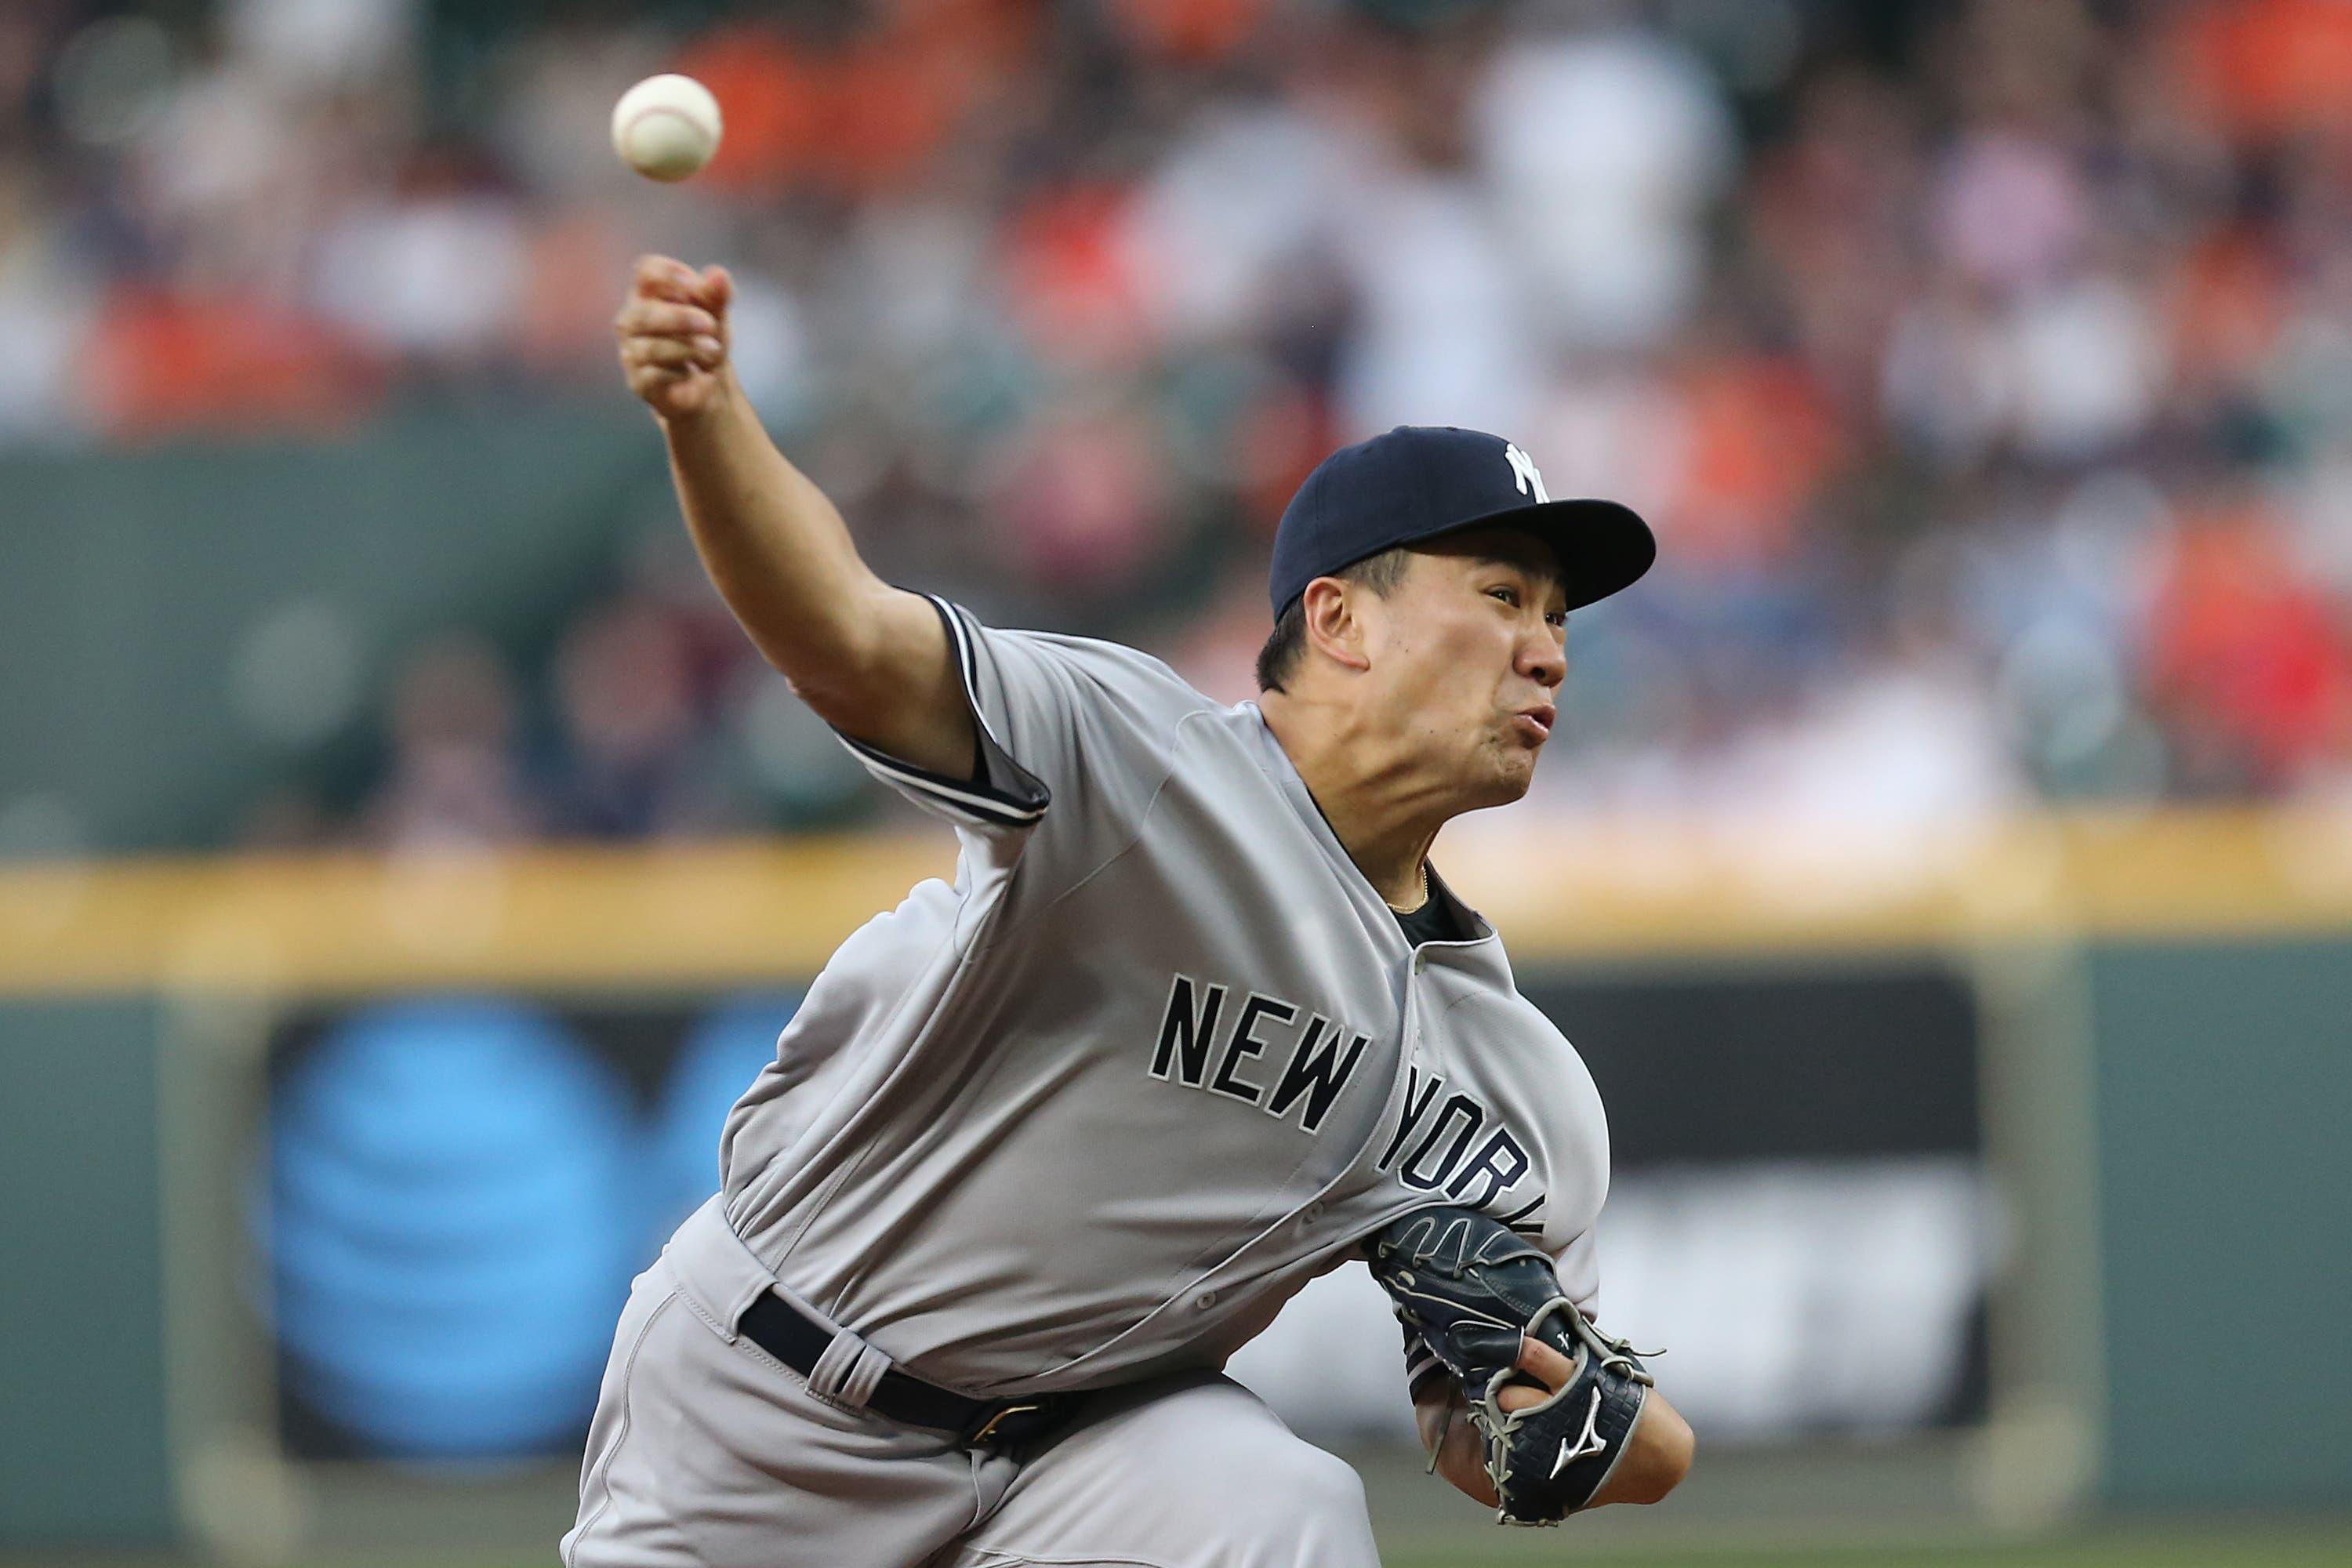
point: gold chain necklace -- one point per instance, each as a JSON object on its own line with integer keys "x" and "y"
{"x": 1419, "y": 902}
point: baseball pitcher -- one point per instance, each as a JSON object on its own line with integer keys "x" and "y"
{"x": 1195, "y": 1022}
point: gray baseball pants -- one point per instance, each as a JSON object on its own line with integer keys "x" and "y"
{"x": 706, "y": 1452}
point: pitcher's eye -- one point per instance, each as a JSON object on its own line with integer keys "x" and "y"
{"x": 1507, "y": 594}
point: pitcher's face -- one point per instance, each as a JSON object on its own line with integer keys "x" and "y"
{"x": 1464, "y": 657}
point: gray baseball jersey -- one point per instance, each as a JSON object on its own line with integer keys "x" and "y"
{"x": 1157, "y": 1057}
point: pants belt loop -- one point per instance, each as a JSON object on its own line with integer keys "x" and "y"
{"x": 847, "y": 1370}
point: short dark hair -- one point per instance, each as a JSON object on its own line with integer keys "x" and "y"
{"x": 1279, "y": 657}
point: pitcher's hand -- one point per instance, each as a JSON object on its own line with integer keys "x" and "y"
{"x": 1445, "y": 1427}
{"x": 1661, "y": 1454}
{"x": 674, "y": 336}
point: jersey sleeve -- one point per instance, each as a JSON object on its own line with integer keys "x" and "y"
{"x": 1074, "y": 736}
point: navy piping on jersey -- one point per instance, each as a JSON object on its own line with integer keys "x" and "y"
{"x": 1021, "y": 800}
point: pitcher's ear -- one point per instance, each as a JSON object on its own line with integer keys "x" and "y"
{"x": 1333, "y": 612}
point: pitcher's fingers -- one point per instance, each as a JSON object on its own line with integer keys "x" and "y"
{"x": 1521, "y": 1395}
{"x": 1539, "y": 1360}
{"x": 717, "y": 288}
{"x": 642, "y": 317}
{"x": 672, "y": 352}
{"x": 665, "y": 278}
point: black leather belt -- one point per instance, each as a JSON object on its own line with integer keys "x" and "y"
{"x": 780, "y": 1329}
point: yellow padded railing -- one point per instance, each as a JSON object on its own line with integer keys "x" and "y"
{"x": 750, "y": 910}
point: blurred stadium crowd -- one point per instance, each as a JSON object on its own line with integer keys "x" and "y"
{"x": 1986, "y": 366}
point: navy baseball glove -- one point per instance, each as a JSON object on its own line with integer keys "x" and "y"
{"x": 1470, "y": 1288}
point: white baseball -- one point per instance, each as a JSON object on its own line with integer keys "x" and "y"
{"x": 666, "y": 127}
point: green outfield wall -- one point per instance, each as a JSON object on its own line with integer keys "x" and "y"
{"x": 129, "y": 588}
{"x": 82, "y": 1436}
{"x": 2224, "y": 1097}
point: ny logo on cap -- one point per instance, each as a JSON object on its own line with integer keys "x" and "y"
{"x": 1523, "y": 470}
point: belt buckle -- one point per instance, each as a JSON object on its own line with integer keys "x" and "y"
{"x": 988, "y": 1427}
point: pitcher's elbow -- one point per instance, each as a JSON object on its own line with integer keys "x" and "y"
{"x": 1668, "y": 1446}
{"x": 1679, "y": 1455}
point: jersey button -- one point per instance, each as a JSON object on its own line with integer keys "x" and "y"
{"x": 1204, "y": 1300}
{"x": 1312, "y": 1213}
{"x": 1420, "y": 962}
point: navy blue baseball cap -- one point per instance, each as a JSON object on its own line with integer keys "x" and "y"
{"x": 1422, "y": 480}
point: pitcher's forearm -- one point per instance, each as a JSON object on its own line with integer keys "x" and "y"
{"x": 872, "y": 660}
{"x": 773, "y": 545}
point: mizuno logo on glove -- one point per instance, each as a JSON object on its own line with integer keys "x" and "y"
{"x": 1590, "y": 1443}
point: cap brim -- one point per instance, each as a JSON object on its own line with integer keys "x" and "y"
{"x": 1602, "y": 546}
